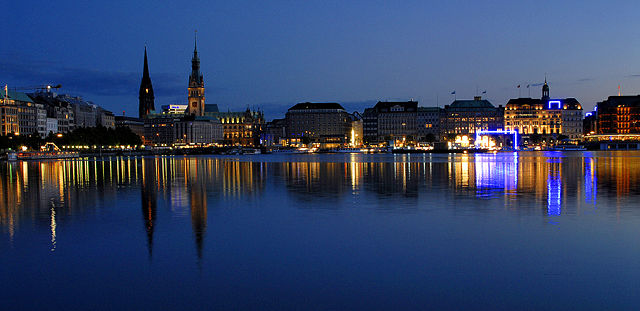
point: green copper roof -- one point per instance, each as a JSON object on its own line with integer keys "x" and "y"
{"x": 17, "y": 96}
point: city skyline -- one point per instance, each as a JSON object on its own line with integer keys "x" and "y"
{"x": 340, "y": 52}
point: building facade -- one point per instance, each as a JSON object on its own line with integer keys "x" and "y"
{"x": 618, "y": 115}
{"x": 428, "y": 123}
{"x": 544, "y": 116}
{"x": 465, "y": 117}
{"x": 239, "y": 128}
{"x": 318, "y": 122}
{"x": 197, "y": 130}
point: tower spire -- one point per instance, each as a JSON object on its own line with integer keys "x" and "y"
{"x": 145, "y": 70}
{"x": 196, "y": 83}
{"x": 146, "y": 98}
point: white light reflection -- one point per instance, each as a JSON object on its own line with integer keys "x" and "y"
{"x": 53, "y": 227}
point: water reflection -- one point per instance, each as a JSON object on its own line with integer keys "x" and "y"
{"x": 49, "y": 194}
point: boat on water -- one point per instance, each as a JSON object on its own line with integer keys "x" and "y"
{"x": 41, "y": 155}
{"x": 568, "y": 148}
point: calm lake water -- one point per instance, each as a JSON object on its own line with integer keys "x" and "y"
{"x": 337, "y": 231}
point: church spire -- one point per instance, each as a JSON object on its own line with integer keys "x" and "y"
{"x": 196, "y": 77}
{"x": 146, "y": 98}
{"x": 145, "y": 71}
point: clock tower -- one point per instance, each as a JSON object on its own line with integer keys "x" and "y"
{"x": 196, "y": 86}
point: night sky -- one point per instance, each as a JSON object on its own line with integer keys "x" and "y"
{"x": 272, "y": 54}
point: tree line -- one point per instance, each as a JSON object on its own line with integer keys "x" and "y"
{"x": 83, "y": 136}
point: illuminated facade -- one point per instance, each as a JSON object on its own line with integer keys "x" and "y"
{"x": 240, "y": 128}
{"x": 397, "y": 120}
{"x": 465, "y": 117}
{"x": 400, "y": 121}
{"x": 544, "y": 116}
{"x": 19, "y": 114}
{"x": 318, "y": 122}
{"x": 618, "y": 115}
{"x": 165, "y": 130}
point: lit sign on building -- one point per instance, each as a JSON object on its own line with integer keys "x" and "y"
{"x": 479, "y": 135}
{"x": 556, "y": 103}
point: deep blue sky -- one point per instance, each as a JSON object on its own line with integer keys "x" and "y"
{"x": 272, "y": 54}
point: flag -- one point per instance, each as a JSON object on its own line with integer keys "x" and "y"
{"x": 453, "y": 93}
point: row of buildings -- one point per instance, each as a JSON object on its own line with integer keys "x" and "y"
{"x": 330, "y": 125}
{"x": 406, "y": 123}
{"x": 44, "y": 112}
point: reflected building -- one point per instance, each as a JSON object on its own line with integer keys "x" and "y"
{"x": 196, "y": 185}
{"x": 149, "y": 202}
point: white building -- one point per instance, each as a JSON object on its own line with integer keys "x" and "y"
{"x": 52, "y": 125}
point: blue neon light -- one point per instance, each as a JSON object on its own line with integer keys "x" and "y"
{"x": 500, "y": 132}
{"x": 554, "y": 194}
{"x": 557, "y": 102}
{"x": 588, "y": 114}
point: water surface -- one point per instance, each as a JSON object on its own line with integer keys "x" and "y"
{"x": 336, "y": 231}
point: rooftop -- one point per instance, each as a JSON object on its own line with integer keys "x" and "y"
{"x": 17, "y": 96}
{"x": 302, "y": 106}
{"x": 472, "y": 104}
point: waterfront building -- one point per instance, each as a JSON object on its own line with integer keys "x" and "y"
{"x": 85, "y": 113}
{"x": 465, "y": 117}
{"x": 428, "y": 123}
{"x": 146, "y": 99}
{"x": 42, "y": 119}
{"x": 590, "y": 123}
{"x": 57, "y": 107}
{"x": 52, "y": 126}
{"x": 356, "y": 135}
{"x": 27, "y": 118}
{"x": 21, "y": 114}
{"x": 239, "y": 128}
{"x": 572, "y": 119}
{"x": 397, "y": 120}
{"x": 544, "y": 116}
{"x": 370, "y": 125}
{"x": 619, "y": 115}
{"x": 136, "y": 125}
{"x": 275, "y": 133}
{"x": 159, "y": 130}
{"x": 197, "y": 130}
{"x": 400, "y": 122}
{"x": 170, "y": 129}
{"x": 9, "y": 111}
{"x": 105, "y": 118}
{"x": 325, "y": 123}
